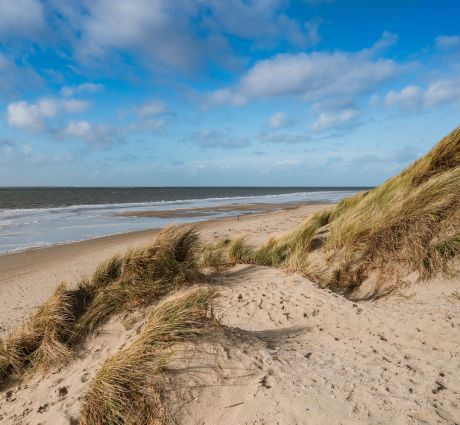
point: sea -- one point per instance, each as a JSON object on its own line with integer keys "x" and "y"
{"x": 36, "y": 216}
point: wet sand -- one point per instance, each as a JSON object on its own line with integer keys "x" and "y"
{"x": 204, "y": 211}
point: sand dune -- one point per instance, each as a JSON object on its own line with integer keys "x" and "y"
{"x": 297, "y": 354}
{"x": 289, "y": 352}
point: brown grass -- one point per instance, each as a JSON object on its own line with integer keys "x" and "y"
{"x": 124, "y": 392}
{"x": 409, "y": 223}
{"x": 140, "y": 277}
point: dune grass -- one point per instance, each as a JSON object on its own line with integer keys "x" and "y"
{"x": 214, "y": 255}
{"x": 123, "y": 391}
{"x": 409, "y": 223}
{"x": 139, "y": 278}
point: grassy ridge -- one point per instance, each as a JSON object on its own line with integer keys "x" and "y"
{"x": 409, "y": 223}
{"x": 139, "y": 278}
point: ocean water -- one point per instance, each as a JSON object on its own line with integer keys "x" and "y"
{"x": 34, "y": 217}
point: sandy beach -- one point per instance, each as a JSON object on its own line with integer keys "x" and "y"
{"x": 28, "y": 278}
{"x": 236, "y": 212}
{"x": 290, "y": 352}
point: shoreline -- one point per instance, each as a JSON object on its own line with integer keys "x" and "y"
{"x": 28, "y": 277}
{"x": 241, "y": 209}
{"x": 246, "y": 210}
{"x": 201, "y": 214}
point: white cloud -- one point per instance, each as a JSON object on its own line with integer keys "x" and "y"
{"x": 157, "y": 30}
{"x": 328, "y": 120}
{"x": 277, "y": 120}
{"x": 30, "y": 116}
{"x": 81, "y": 129}
{"x": 152, "y": 107}
{"x": 181, "y": 34}
{"x": 21, "y": 18}
{"x": 442, "y": 91}
{"x": 410, "y": 97}
{"x": 320, "y": 77}
{"x": 414, "y": 97}
{"x": 34, "y": 116}
{"x": 97, "y": 136}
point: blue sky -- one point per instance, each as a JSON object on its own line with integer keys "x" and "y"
{"x": 214, "y": 92}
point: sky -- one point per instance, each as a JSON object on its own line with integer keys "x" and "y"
{"x": 223, "y": 93}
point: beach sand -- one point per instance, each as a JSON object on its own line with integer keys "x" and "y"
{"x": 291, "y": 353}
{"x": 28, "y": 278}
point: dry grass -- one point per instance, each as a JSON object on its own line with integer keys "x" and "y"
{"x": 214, "y": 255}
{"x": 409, "y": 223}
{"x": 123, "y": 392}
{"x": 147, "y": 273}
{"x": 142, "y": 276}
{"x": 40, "y": 341}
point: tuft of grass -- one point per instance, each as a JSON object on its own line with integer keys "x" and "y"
{"x": 409, "y": 223}
{"x": 271, "y": 254}
{"x": 139, "y": 278}
{"x": 214, "y": 255}
{"x": 123, "y": 391}
{"x": 40, "y": 341}
{"x": 239, "y": 251}
{"x": 147, "y": 274}
{"x": 216, "y": 260}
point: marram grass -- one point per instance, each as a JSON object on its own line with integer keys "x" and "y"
{"x": 123, "y": 391}
{"x": 411, "y": 223}
{"x": 138, "y": 278}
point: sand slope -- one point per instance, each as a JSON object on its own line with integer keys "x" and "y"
{"x": 302, "y": 355}
{"x": 290, "y": 353}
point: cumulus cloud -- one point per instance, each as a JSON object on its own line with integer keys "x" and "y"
{"x": 34, "y": 116}
{"x": 414, "y": 98}
{"x": 328, "y": 120}
{"x": 50, "y": 116}
{"x": 320, "y": 77}
{"x": 181, "y": 34}
{"x": 30, "y": 116}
